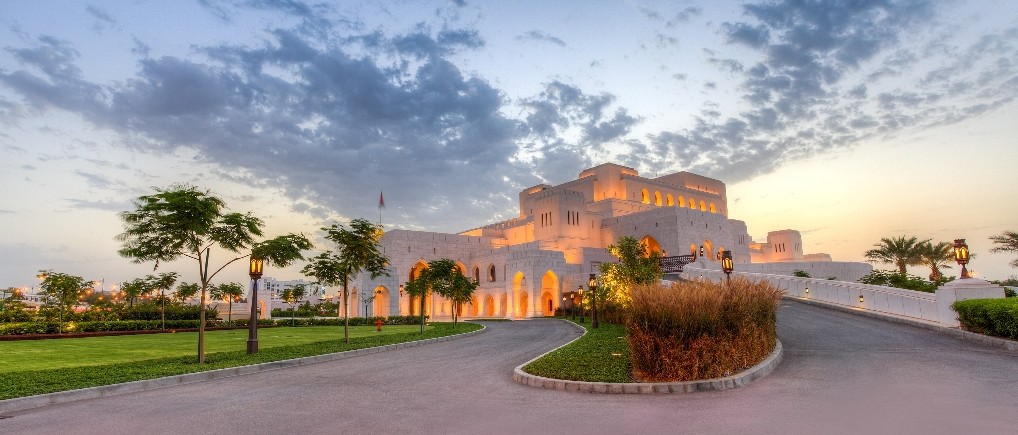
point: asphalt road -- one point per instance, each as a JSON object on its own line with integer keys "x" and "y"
{"x": 841, "y": 374}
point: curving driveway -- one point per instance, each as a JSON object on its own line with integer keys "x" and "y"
{"x": 841, "y": 374}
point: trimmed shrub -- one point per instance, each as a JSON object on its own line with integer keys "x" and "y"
{"x": 700, "y": 329}
{"x": 998, "y": 317}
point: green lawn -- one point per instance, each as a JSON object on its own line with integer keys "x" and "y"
{"x": 45, "y": 366}
{"x": 93, "y": 351}
{"x": 602, "y": 355}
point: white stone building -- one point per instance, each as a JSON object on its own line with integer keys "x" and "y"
{"x": 526, "y": 264}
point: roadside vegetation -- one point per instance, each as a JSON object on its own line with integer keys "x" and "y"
{"x": 652, "y": 332}
{"x": 130, "y": 358}
{"x": 997, "y": 317}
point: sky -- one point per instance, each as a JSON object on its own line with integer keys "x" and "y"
{"x": 847, "y": 120}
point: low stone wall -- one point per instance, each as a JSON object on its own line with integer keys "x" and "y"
{"x": 890, "y": 300}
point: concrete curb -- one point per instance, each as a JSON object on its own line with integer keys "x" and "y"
{"x": 956, "y": 332}
{"x": 60, "y": 397}
{"x": 740, "y": 380}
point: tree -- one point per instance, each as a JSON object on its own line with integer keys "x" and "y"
{"x": 357, "y": 250}
{"x": 637, "y": 264}
{"x": 418, "y": 288}
{"x": 1006, "y": 242}
{"x": 185, "y": 291}
{"x": 162, "y": 282}
{"x": 936, "y": 257}
{"x": 183, "y": 221}
{"x": 135, "y": 289}
{"x": 63, "y": 290}
{"x": 446, "y": 279}
{"x": 901, "y": 251}
{"x": 229, "y": 291}
{"x": 293, "y": 295}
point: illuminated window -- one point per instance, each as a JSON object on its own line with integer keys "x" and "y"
{"x": 657, "y": 199}
{"x": 669, "y": 201}
{"x": 491, "y": 273}
{"x": 682, "y": 201}
{"x": 645, "y": 196}
{"x": 712, "y": 208}
{"x": 703, "y": 207}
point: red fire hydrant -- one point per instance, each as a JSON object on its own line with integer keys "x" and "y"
{"x": 378, "y": 324}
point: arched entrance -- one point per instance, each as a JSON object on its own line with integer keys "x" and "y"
{"x": 650, "y": 246}
{"x": 549, "y": 290}
{"x": 414, "y": 308}
{"x": 520, "y": 294}
{"x": 381, "y": 303}
{"x": 475, "y": 306}
{"x": 489, "y": 306}
{"x": 503, "y": 304}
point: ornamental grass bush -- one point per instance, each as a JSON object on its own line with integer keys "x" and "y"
{"x": 998, "y": 317}
{"x": 695, "y": 330}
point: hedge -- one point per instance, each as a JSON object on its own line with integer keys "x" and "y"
{"x": 998, "y": 317}
{"x": 27, "y": 328}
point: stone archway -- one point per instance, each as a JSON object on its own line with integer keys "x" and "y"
{"x": 414, "y": 304}
{"x": 549, "y": 291}
{"x": 380, "y": 306}
{"x": 520, "y": 294}
{"x": 489, "y": 306}
{"x": 650, "y": 246}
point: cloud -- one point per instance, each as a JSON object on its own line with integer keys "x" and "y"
{"x": 819, "y": 66}
{"x": 102, "y": 20}
{"x": 535, "y": 35}
{"x": 338, "y": 126}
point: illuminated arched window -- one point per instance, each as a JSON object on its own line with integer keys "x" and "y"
{"x": 645, "y": 196}
{"x": 693, "y": 250}
{"x": 712, "y": 208}
{"x": 703, "y": 207}
{"x": 682, "y": 201}
{"x": 708, "y": 250}
{"x": 692, "y": 204}
{"x": 669, "y": 201}
{"x": 657, "y": 198}
{"x": 491, "y": 273}
{"x": 477, "y": 274}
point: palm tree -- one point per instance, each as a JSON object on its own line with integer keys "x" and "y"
{"x": 936, "y": 257}
{"x": 1006, "y": 242}
{"x": 901, "y": 251}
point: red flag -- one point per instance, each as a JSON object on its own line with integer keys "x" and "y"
{"x": 381, "y": 200}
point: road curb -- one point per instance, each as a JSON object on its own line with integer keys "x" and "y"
{"x": 955, "y": 332}
{"x": 739, "y": 380}
{"x": 60, "y": 397}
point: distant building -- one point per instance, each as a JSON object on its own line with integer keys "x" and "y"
{"x": 525, "y": 265}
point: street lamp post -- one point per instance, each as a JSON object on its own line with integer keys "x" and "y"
{"x": 257, "y": 266}
{"x": 592, "y": 285}
{"x": 727, "y": 265}
{"x": 961, "y": 255}
{"x": 582, "y": 310}
{"x": 580, "y": 291}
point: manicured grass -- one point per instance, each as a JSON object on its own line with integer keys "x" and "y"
{"x": 602, "y": 355}
{"x": 30, "y": 381}
{"x": 95, "y": 351}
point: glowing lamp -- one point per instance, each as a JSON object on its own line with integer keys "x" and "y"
{"x": 861, "y": 299}
{"x": 807, "y": 291}
{"x": 726, "y": 262}
{"x": 961, "y": 255}
{"x": 257, "y": 268}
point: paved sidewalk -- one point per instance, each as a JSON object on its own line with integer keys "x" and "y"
{"x": 841, "y": 374}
